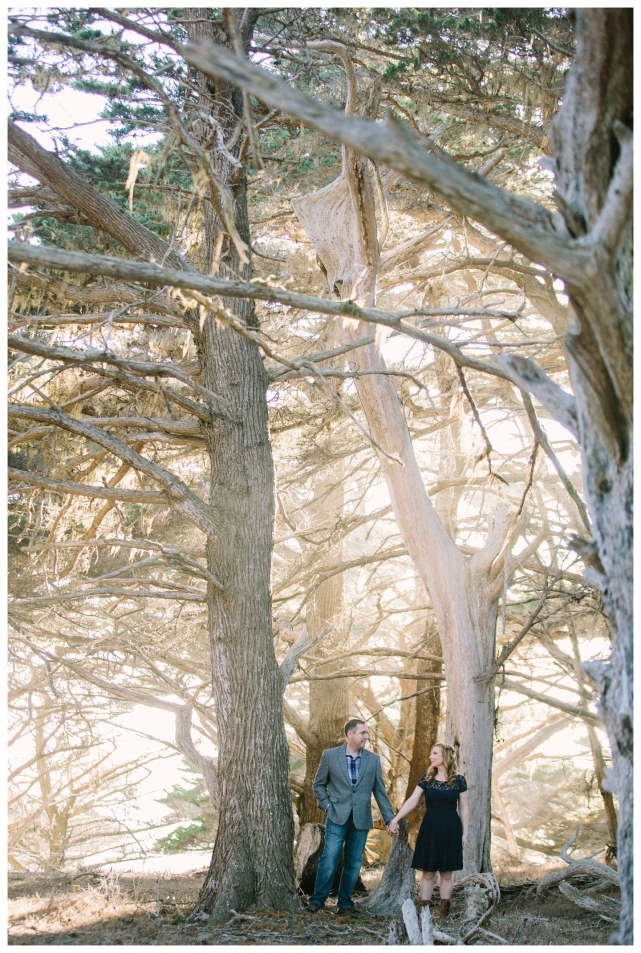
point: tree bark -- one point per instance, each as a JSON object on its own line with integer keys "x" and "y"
{"x": 328, "y": 699}
{"x": 252, "y": 860}
{"x": 308, "y": 852}
{"x": 397, "y": 882}
{"x": 428, "y": 710}
{"x": 592, "y": 141}
{"x": 600, "y": 772}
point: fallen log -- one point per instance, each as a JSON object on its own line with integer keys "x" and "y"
{"x": 411, "y": 923}
{"x": 584, "y": 868}
{"x": 427, "y": 927}
{"x": 605, "y": 906}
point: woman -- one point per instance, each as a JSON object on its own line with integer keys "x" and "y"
{"x": 443, "y": 832}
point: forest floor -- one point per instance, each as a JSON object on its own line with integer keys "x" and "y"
{"x": 128, "y": 909}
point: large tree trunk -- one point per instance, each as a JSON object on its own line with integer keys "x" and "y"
{"x": 464, "y": 593}
{"x": 252, "y": 861}
{"x": 428, "y": 711}
{"x": 328, "y": 698}
{"x": 600, "y": 771}
{"x": 398, "y": 880}
{"x": 592, "y": 141}
{"x": 595, "y": 747}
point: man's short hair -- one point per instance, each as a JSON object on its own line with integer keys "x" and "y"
{"x": 352, "y": 723}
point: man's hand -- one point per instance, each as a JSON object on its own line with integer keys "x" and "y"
{"x": 392, "y": 827}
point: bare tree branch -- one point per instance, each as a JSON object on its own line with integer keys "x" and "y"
{"x": 138, "y": 271}
{"x": 90, "y": 356}
{"x": 122, "y": 593}
{"x": 512, "y": 686}
{"x": 529, "y": 377}
{"x": 80, "y": 489}
{"x": 299, "y": 648}
{"x": 206, "y": 517}
{"x": 525, "y": 224}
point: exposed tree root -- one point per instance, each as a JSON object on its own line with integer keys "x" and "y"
{"x": 397, "y": 883}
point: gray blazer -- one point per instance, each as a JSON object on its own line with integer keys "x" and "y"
{"x": 333, "y": 788}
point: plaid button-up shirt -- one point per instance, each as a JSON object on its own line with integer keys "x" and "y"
{"x": 353, "y": 767}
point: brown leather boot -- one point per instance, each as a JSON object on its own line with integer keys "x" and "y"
{"x": 426, "y": 903}
{"x": 444, "y": 909}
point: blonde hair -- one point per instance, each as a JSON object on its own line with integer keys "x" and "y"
{"x": 450, "y": 763}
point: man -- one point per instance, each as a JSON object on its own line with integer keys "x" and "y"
{"x": 347, "y": 777}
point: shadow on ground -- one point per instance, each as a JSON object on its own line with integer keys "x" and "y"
{"x": 151, "y": 910}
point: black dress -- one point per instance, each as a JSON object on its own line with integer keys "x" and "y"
{"x": 439, "y": 845}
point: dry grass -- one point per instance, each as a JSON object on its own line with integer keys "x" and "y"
{"x": 150, "y": 910}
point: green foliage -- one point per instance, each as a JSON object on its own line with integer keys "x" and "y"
{"x": 189, "y": 802}
{"x": 132, "y": 511}
{"x": 468, "y": 48}
{"x": 107, "y": 171}
{"x": 306, "y": 164}
{"x": 395, "y": 70}
{"x": 19, "y": 115}
{"x": 89, "y": 84}
{"x": 74, "y": 21}
{"x": 188, "y": 837}
{"x": 88, "y": 34}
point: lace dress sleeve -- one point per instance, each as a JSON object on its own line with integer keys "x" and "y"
{"x": 462, "y": 783}
{"x": 422, "y": 781}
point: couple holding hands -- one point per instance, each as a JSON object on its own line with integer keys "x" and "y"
{"x": 347, "y": 777}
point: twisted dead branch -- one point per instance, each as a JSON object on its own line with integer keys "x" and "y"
{"x": 584, "y": 868}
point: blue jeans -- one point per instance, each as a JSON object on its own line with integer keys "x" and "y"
{"x": 335, "y": 836}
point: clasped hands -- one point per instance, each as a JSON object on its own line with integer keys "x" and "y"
{"x": 392, "y": 827}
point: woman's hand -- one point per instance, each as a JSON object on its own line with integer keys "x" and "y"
{"x": 464, "y": 839}
{"x": 392, "y": 827}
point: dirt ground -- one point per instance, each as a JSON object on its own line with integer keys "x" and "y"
{"x": 110, "y": 909}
